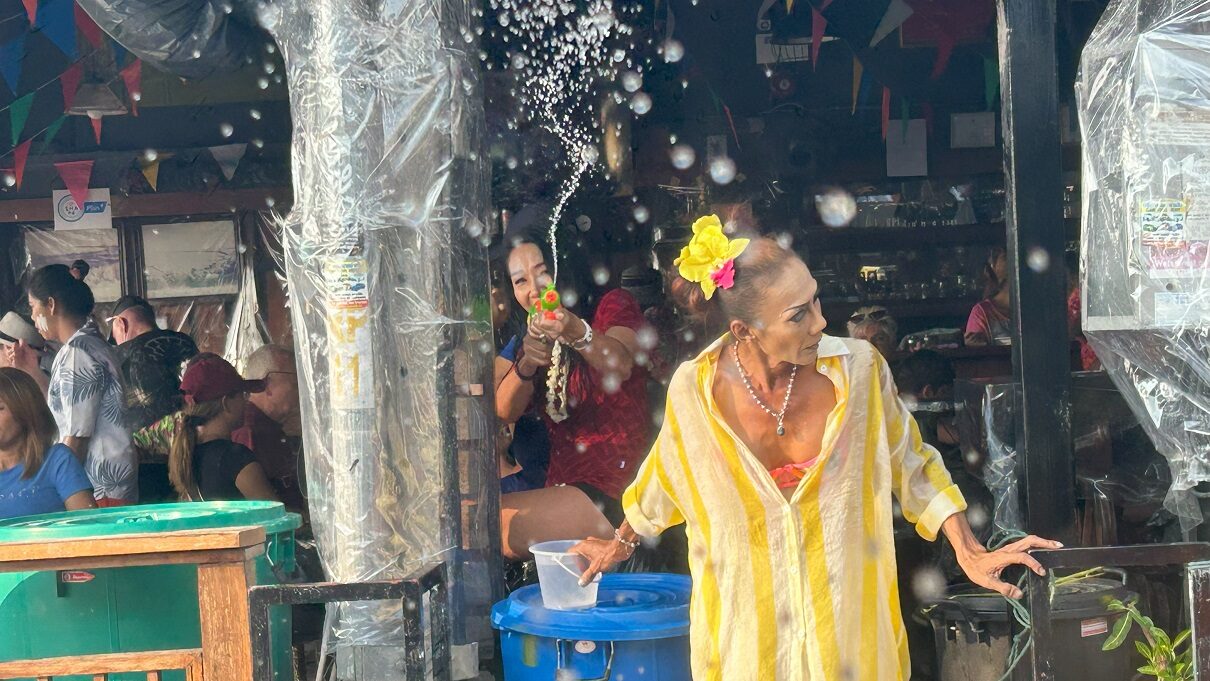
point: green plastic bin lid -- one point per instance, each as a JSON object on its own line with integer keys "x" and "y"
{"x": 104, "y": 522}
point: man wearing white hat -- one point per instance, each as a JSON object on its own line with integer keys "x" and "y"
{"x": 15, "y": 332}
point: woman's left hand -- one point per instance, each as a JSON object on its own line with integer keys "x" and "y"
{"x": 565, "y": 326}
{"x": 984, "y": 567}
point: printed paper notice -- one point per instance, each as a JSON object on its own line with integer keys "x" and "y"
{"x": 1181, "y": 308}
{"x": 350, "y": 352}
{"x": 1162, "y": 222}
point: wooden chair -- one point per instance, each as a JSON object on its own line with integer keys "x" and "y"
{"x": 225, "y": 572}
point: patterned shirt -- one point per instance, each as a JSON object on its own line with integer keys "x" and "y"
{"x": 151, "y": 366}
{"x": 606, "y": 433}
{"x": 804, "y": 588}
{"x": 86, "y": 398}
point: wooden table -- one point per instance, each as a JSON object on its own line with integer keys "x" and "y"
{"x": 225, "y": 571}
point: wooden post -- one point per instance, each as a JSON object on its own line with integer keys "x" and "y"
{"x": 1034, "y": 184}
{"x": 222, "y": 592}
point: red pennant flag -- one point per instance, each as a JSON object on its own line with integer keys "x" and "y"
{"x": 20, "y": 155}
{"x": 945, "y": 48}
{"x": 86, "y": 26}
{"x": 133, "y": 76}
{"x": 818, "y": 24}
{"x": 70, "y": 80}
{"x": 886, "y": 110}
{"x": 31, "y": 8}
{"x": 76, "y": 175}
{"x": 96, "y": 127}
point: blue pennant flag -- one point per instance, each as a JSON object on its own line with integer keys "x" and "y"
{"x": 119, "y": 54}
{"x": 57, "y": 21}
{"x": 12, "y": 55}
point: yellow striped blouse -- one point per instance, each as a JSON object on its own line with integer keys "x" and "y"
{"x": 805, "y": 588}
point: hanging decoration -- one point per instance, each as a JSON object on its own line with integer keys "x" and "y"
{"x": 945, "y": 48}
{"x": 18, "y": 114}
{"x": 88, "y": 28}
{"x": 70, "y": 80}
{"x": 96, "y": 126}
{"x": 991, "y": 82}
{"x": 51, "y": 131}
{"x": 886, "y": 110}
{"x": 151, "y": 171}
{"x": 76, "y": 175}
{"x": 818, "y": 25}
{"x": 132, "y": 75}
{"x": 20, "y": 156}
{"x": 228, "y": 157}
{"x": 858, "y": 74}
{"x": 31, "y": 9}
{"x": 56, "y": 21}
{"x": 119, "y": 54}
{"x": 12, "y": 56}
{"x": 896, "y": 13}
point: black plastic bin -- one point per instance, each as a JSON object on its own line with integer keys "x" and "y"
{"x": 974, "y": 627}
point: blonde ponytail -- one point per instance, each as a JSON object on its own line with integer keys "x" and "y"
{"x": 184, "y": 439}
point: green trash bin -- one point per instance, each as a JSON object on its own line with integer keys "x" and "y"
{"x": 117, "y": 610}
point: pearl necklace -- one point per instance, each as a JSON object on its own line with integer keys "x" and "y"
{"x": 785, "y": 403}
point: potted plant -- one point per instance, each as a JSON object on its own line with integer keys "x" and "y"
{"x": 1165, "y": 660}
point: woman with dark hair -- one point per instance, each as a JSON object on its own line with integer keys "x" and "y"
{"x": 991, "y": 319}
{"x": 782, "y": 450}
{"x": 85, "y": 390}
{"x": 580, "y": 376}
{"x": 203, "y": 463}
{"x": 37, "y": 475}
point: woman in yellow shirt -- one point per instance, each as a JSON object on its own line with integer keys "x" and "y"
{"x": 783, "y": 450}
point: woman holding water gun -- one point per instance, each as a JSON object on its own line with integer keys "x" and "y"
{"x": 580, "y": 375}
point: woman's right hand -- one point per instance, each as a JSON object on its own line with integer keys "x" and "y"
{"x": 22, "y": 356}
{"x": 602, "y": 555}
{"x": 535, "y": 355}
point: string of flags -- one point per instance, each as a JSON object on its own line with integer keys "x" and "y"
{"x": 77, "y": 174}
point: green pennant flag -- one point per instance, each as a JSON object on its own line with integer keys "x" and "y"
{"x": 991, "y": 81}
{"x": 18, "y": 113}
{"x": 52, "y": 131}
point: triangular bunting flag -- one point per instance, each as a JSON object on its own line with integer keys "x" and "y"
{"x": 228, "y": 157}
{"x": 12, "y": 56}
{"x": 945, "y": 48}
{"x": 70, "y": 80}
{"x": 858, "y": 74}
{"x": 87, "y": 27}
{"x": 151, "y": 171}
{"x": 18, "y": 113}
{"x": 818, "y": 25}
{"x": 76, "y": 175}
{"x": 119, "y": 54}
{"x": 20, "y": 156}
{"x": 96, "y": 127}
{"x": 50, "y": 133}
{"x": 56, "y": 20}
{"x": 886, "y": 110}
{"x": 133, "y": 77}
{"x": 896, "y": 13}
{"x": 991, "y": 81}
{"x": 31, "y": 8}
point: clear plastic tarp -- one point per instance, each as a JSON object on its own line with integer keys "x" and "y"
{"x": 385, "y": 254}
{"x": 1144, "y": 104}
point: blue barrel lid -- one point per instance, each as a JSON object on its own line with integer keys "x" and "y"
{"x": 103, "y": 522}
{"x": 630, "y": 607}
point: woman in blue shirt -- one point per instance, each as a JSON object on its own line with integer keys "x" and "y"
{"x": 36, "y": 474}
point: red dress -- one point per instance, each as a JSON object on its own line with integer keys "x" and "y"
{"x": 606, "y": 435}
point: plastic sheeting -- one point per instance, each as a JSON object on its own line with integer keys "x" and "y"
{"x": 1144, "y": 105}
{"x": 387, "y": 273}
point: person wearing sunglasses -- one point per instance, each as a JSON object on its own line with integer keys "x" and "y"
{"x": 876, "y": 325}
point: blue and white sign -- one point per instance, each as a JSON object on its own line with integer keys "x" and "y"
{"x": 96, "y": 213}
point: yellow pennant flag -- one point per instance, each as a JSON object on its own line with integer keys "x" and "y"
{"x": 857, "y": 72}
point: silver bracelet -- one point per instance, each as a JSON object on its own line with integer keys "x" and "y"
{"x": 586, "y": 340}
{"x": 617, "y": 535}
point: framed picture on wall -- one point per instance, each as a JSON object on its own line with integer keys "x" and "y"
{"x": 97, "y": 247}
{"x": 189, "y": 259}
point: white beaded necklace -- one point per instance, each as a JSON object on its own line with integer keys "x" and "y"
{"x": 785, "y": 403}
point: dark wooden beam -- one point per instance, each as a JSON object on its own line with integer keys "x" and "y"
{"x": 160, "y": 205}
{"x": 1033, "y": 174}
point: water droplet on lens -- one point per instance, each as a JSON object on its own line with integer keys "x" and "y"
{"x": 928, "y": 584}
{"x": 511, "y": 163}
{"x": 570, "y": 298}
{"x": 226, "y": 129}
{"x": 611, "y": 383}
{"x": 641, "y": 214}
{"x": 674, "y": 51}
{"x": 631, "y": 81}
{"x": 648, "y": 338}
{"x": 1038, "y": 259}
{"x": 722, "y": 170}
{"x": 590, "y": 155}
{"x": 255, "y": 114}
{"x": 836, "y": 207}
{"x": 10, "y": 180}
{"x": 640, "y": 103}
{"x": 150, "y": 155}
{"x": 683, "y": 156}
{"x": 262, "y": 83}
{"x": 600, "y": 275}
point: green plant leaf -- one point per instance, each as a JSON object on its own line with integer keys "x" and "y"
{"x": 1143, "y": 649}
{"x": 1161, "y": 637}
{"x": 1116, "y": 606}
{"x": 1118, "y": 636}
{"x": 1181, "y": 638}
{"x": 1148, "y": 670}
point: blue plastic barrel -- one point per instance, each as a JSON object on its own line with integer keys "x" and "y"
{"x": 639, "y": 630}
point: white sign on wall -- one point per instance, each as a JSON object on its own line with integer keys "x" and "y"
{"x": 97, "y": 212}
